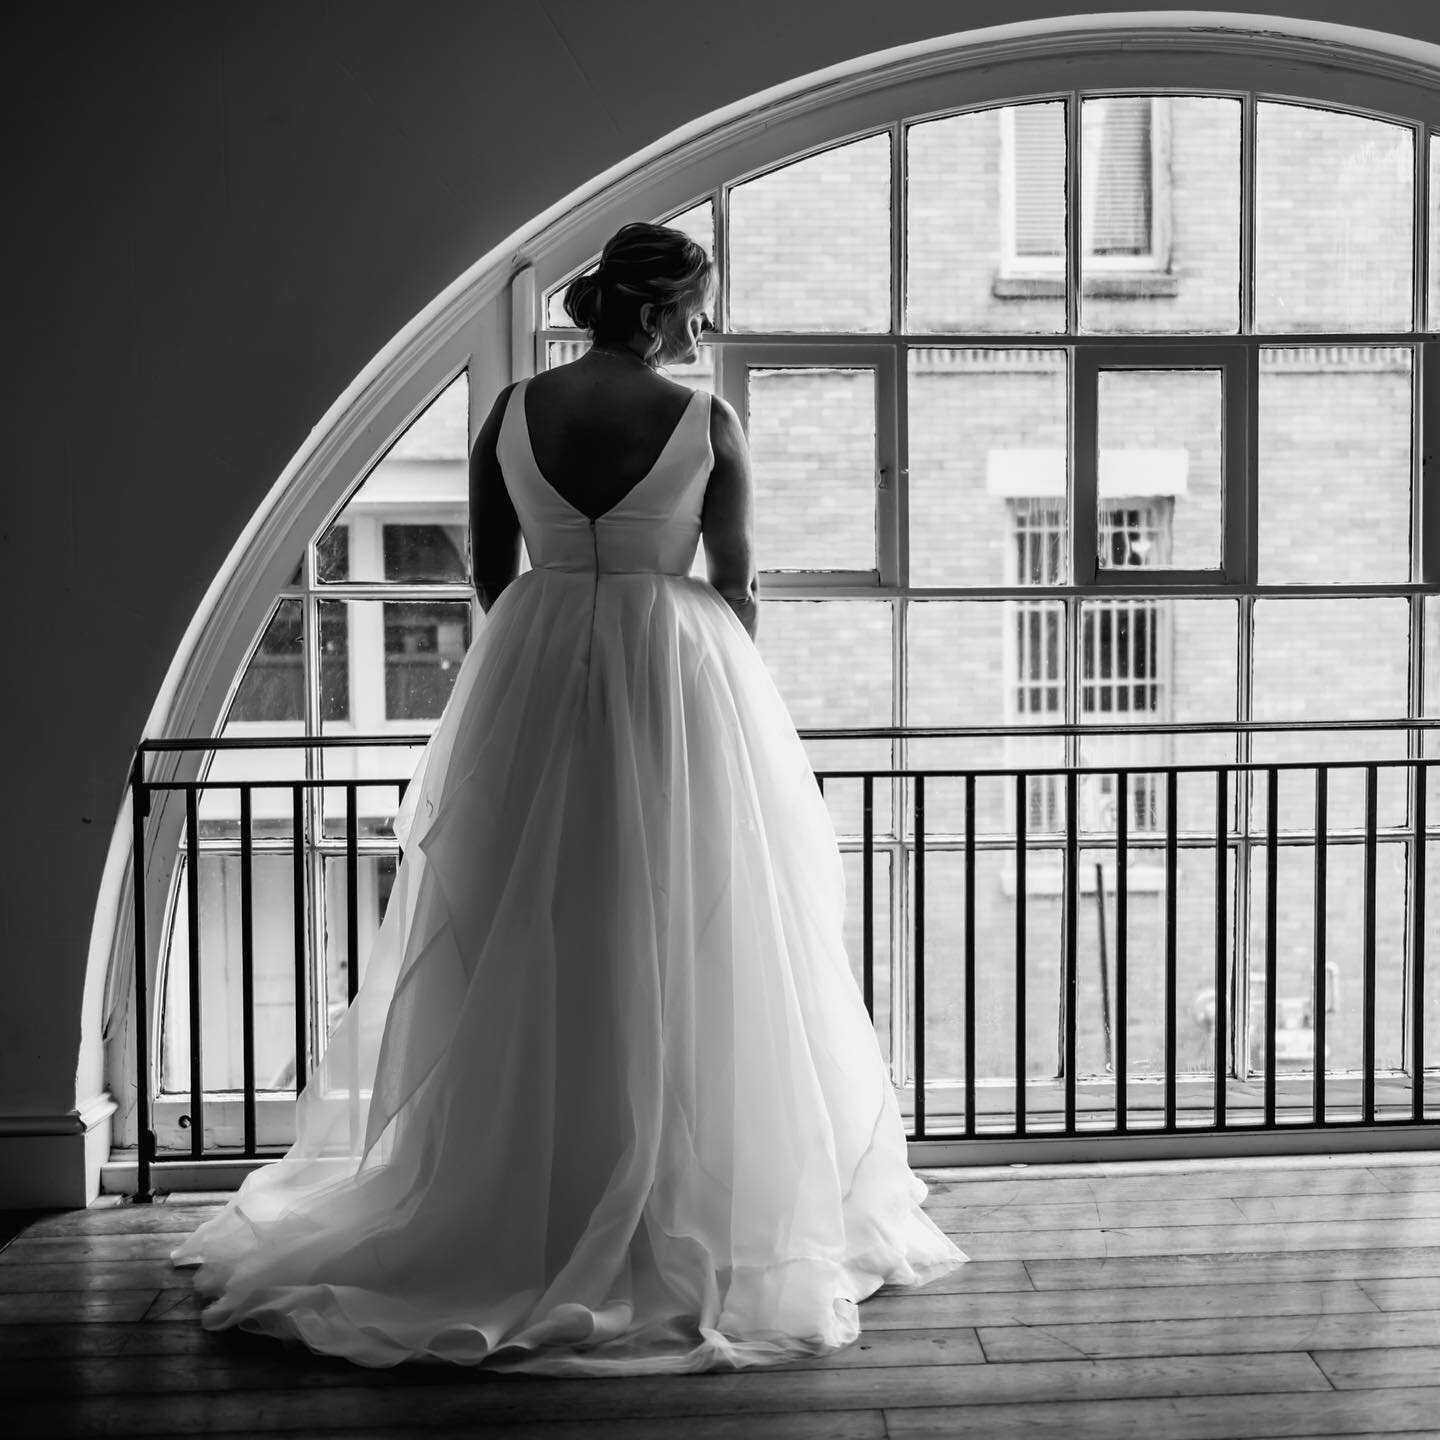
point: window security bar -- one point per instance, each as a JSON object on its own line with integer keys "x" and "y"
{"x": 1250, "y": 1083}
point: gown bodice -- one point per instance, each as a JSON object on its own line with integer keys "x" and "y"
{"x": 653, "y": 529}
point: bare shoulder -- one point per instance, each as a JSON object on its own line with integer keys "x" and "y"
{"x": 727, "y": 435}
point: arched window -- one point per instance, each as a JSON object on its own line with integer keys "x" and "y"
{"x": 1069, "y": 405}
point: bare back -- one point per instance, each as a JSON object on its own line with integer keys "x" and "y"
{"x": 596, "y": 433}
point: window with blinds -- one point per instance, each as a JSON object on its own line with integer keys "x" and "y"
{"x": 1117, "y": 176}
{"x": 1121, "y": 183}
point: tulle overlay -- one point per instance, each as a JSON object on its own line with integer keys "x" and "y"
{"x": 607, "y": 1100}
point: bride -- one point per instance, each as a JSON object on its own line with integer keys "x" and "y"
{"x": 607, "y": 1100}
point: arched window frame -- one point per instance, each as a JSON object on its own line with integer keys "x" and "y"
{"x": 489, "y": 323}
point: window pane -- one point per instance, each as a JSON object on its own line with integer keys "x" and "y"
{"x": 988, "y": 447}
{"x": 1334, "y": 465}
{"x": 1160, "y": 213}
{"x": 1333, "y": 221}
{"x": 374, "y": 880}
{"x": 269, "y": 701}
{"x": 384, "y": 665}
{"x": 222, "y": 1045}
{"x": 698, "y": 222}
{"x": 985, "y": 221}
{"x": 1344, "y": 951}
{"x": 1151, "y": 659}
{"x": 800, "y": 640}
{"x": 792, "y": 266}
{"x": 1160, "y": 438}
{"x": 272, "y": 689}
{"x": 812, "y": 439}
{"x": 420, "y": 486}
{"x": 1330, "y": 660}
{"x": 981, "y": 663}
{"x": 854, "y": 867}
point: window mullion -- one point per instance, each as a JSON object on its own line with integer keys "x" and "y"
{"x": 1072, "y": 214}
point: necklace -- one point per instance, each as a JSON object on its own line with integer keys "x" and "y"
{"x": 619, "y": 355}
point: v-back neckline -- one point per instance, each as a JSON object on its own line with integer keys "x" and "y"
{"x": 609, "y": 509}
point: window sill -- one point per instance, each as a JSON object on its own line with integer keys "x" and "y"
{"x": 1119, "y": 285}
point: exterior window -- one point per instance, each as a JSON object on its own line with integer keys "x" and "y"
{"x": 985, "y": 503}
{"x": 1124, "y": 191}
{"x": 1124, "y": 657}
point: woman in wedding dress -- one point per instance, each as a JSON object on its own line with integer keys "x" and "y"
{"x": 608, "y": 1100}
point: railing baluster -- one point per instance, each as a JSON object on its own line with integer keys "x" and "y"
{"x": 247, "y": 966}
{"x": 1272, "y": 860}
{"x": 192, "y": 904}
{"x": 1172, "y": 871}
{"x": 1022, "y": 815}
{"x": 867, "y": 894}
{"x": 144, "y": 1138}
{"x": 1122, "y": 949}
{"x": 970, "y": 955}
{"x": 1367, "y": 1042}
{"x": 297, "y": 881}
{"x": 919, "y": 900}
{"x": 1417, "y": 956}
{"x": 1072, "y": 922}
{"x": 1222, "y": 978}
{"x": 1320, "y": 989}
{"x": 352, "y": 892}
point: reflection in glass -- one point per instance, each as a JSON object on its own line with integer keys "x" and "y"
{"x": 1160, "y": 493}
{"x": 985, "y": 221}
{"x": 1334, "y": 466}
{"x": 419, "y": 491}
{"x": 1333, "y": 220}
{"x": 813, "y": 444}
{"x": 988, "y": 467}
{"x": 792, "y": 266}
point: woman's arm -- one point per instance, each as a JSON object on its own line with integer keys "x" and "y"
{"x": 727, "y": 520}
{"x": 494, "y": 526}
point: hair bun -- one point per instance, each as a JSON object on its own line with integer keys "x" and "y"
{"x": 641, "y": 264}
{"x": 582, "y": 298}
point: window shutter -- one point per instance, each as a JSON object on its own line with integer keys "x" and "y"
{"x": 1039, "y": 132}
{"x": 1120, "y": 185}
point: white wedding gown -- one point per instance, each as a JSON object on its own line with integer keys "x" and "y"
{"x": 608, "y": 1100}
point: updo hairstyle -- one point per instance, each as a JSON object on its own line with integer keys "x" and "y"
{"x": 642, "y": 264}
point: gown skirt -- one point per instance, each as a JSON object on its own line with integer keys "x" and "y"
{"x": 607, "y": 1100}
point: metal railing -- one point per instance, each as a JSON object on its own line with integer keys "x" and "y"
{"x": 970, "y": 1107}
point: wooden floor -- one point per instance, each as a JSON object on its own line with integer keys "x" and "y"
{"x": 1294, "y": 1297}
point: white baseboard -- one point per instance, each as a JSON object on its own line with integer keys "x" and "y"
{"x": 52, "y": 1162}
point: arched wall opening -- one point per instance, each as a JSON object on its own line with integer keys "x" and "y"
{"x": 486, "y": 324}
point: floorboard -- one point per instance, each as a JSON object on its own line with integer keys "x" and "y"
{"x": 1175, "y": 1299}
